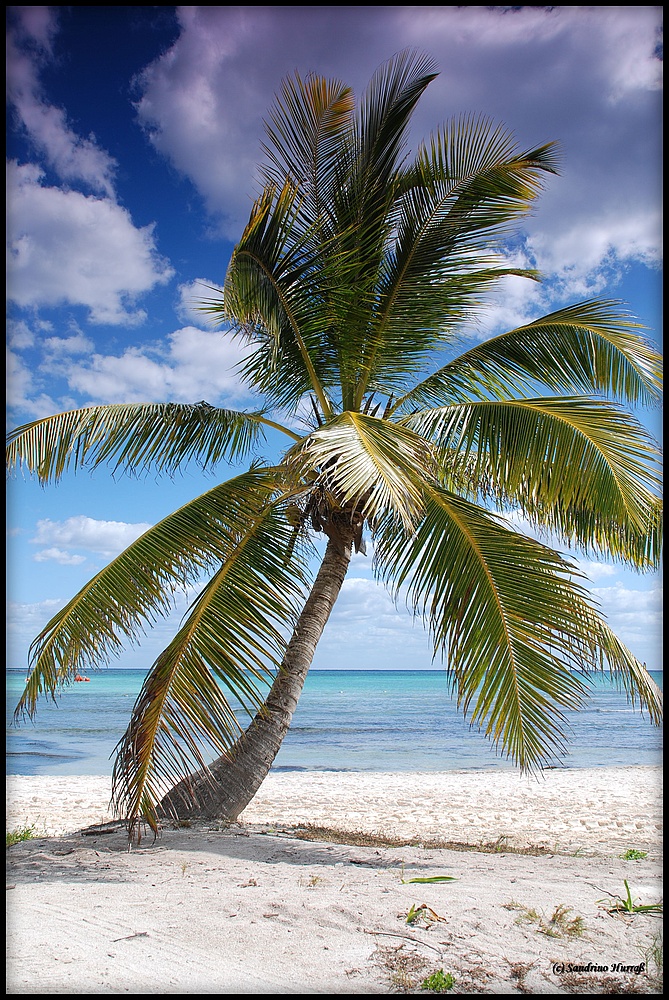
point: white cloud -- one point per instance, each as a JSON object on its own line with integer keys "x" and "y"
{"x": 69, "y": 248}
{"x": 192, "y": 296}
{"x": 619, "y": 41}
{"x": 597, "y": 570}
{"x": 36, "y": 25}
{"x": 360, "y": 598}
{"x": 81, "y": 532}
{"x": 515, "y": 300}
{"x": 24, "y": 622}
{"x": 194, "y": 364}
{"x": 199, "y": 114}
{"x": 22, "y": 393}
{"x": 72, "y": 157}
{"x": 626, "y": 601}
{"x": 636, "y": 617}
{"x": 19, "y": 379}
{"x": 19, "y": 335}
{"x": 59, "y": 556}
{"x": 632, "y": 64}
{"x": 64, "y": 247}
{"x": 589, "y": 251}
{"x": 589, "y": 74}
{"x": 366, "y": 618}
{"x": 30, "y": 618}
{"x": 189, "y": 365}
{"x": 77, "y": 343}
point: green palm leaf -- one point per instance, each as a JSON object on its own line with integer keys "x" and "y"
{"x": 629, "y": 674}
{"x": 363, "y": 208}
{"x": 385, "y": 115}
{"x": 591, "y": 347}
{"x": 269, "y": 297}
{"x": 234, "y": 634}
{"x": 140, "y": 584}
{"x": 581, "y": 467}
{"x": 308, "y": 133}
{"x": 458, "y": 197}
{"x": 511, "y": 622}
{"x": 136, "y": 436}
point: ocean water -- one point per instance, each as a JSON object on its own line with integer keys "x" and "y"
{"x": 399, "y": 720}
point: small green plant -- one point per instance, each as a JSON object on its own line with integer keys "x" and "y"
{"x": 626, "y": 904}
{"x": 16, "y": 836}
{"x": 633, "y": 855}
{"x": 312, "y": 881}
{"x": 528, "y": 914}
{"x": 438, "y": 982}
{"x": 405, "y": 967}
{"x": 558, "y": 925}
{"x": 653, "y": 955}
{"x": 435, "y": 878}
{"x": 422, "y": 913}
{"x": 562, "y": 926}
{"x": 429, "y": 879}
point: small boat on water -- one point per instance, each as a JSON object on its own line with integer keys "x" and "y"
{"x": 78, "y": 677}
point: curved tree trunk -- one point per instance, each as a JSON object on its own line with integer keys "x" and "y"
{"x": 234, "y": 778}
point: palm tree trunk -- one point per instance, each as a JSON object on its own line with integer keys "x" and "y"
{"x": 234, "y": 778}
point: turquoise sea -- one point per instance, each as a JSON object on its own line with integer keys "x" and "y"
{"x": 370, "y": 720}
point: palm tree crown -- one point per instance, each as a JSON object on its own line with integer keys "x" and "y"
{"x": 350, "y": 282}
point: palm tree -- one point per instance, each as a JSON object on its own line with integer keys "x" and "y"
{"x": 351, "y": 281}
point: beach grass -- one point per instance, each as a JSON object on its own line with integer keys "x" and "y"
{"x": 358, "y": 838}
{"x": 18, "y": 835}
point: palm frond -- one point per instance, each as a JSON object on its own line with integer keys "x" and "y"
{"x": 367, "y": 463}
{"x": 364, "y": 207}
{"x": 510, "y": 620}
{"x": 309, "y": 134}
{"x": 630, "y": 675}
{"x": 592, "y": 347}
{"x": 385, "y": 115}
{"x": 269, "y": 296}
{"x": 457, "y": 201}
{"x": 583, "y": 468}
{"x": 210, "y": 675}
{"x": 135, "y": 437}
{"x": 139, "y": 585}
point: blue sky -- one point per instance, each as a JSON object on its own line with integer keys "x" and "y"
{"x": 133, "y": 139}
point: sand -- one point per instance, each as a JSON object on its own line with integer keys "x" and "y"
{"x": 255, "y": 908}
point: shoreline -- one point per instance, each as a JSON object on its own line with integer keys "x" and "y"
{"x": 592, "y": 810}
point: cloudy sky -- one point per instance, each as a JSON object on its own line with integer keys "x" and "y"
{"x": 134, "y": 135}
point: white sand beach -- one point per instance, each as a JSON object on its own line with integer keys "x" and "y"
{"x": 256, "y": 908}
